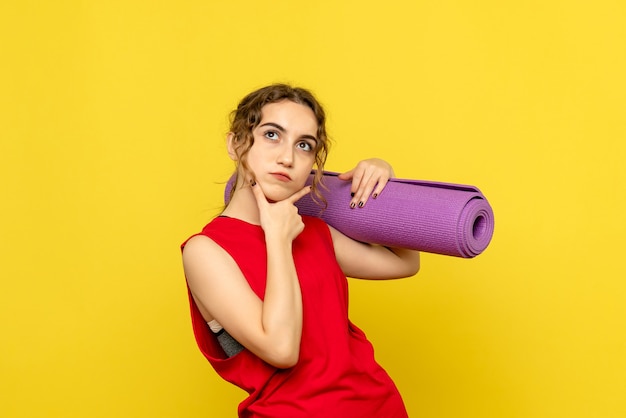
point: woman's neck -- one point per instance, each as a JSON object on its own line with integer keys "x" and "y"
{"x": 243, "y": 206}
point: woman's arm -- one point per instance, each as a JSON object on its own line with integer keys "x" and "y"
{"x": 271, "y": 328}
{"x": 368, "y": 261}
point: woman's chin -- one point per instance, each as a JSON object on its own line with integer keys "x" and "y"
{"x": 276, "y": 195}
{"x": 276, "y": 192}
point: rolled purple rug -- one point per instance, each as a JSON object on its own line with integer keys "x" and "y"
{"x": 441, "y": 218}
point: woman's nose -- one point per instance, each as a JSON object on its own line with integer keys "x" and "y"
{"x": 285, "y": 156}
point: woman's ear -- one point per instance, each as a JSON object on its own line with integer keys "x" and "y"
{"x": 231, "y": 140}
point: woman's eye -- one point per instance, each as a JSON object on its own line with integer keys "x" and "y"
{"x": 271, "y": 135}
{"x": 305, "y": 146}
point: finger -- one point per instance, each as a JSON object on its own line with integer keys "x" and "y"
{"x": 299, "y": 194}
{"x": 347, "y": 175}
{"x": 379, "y": 188}
{"x": 259, "y": 196}
{"x": 357, "y": 178}
{"x": 363, "y": 190}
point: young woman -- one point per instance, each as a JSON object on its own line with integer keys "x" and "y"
{"x": 268, "y": 288}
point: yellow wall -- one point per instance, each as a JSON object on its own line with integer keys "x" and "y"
{"x": 112, "y": 121}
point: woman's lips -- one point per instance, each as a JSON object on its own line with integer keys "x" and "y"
{"x": 281, "y": 176}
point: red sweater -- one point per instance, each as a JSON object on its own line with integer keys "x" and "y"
{"x": 336, "y": 375}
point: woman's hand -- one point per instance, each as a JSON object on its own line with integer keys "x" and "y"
{"x": 281, "y": 219}
{"x": 369, "y": 178}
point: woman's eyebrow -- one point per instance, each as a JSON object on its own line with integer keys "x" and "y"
{"x": 280, "y": 128}
{"x": 275, "y": 125}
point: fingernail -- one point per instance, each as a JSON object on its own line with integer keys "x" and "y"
{"x": 361, "y": 204}
{"x": 351, "y": 194}
{"x": 375, "y": 195}
{"x": 252, "y": 182}
{"x": 352, "y": 205}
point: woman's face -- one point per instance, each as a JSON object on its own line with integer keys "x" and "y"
{"x": 283, "y": 153}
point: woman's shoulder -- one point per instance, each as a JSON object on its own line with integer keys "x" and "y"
{"x": 197, "y": 242}
{"x": 198, "y": 237}
{"x": 315, "y": 223}
{"x": 223, "y": 229}
{"x": 224, "y": 238}
{"x": 314, "y": 220}
{"x": 315, "y": 226}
